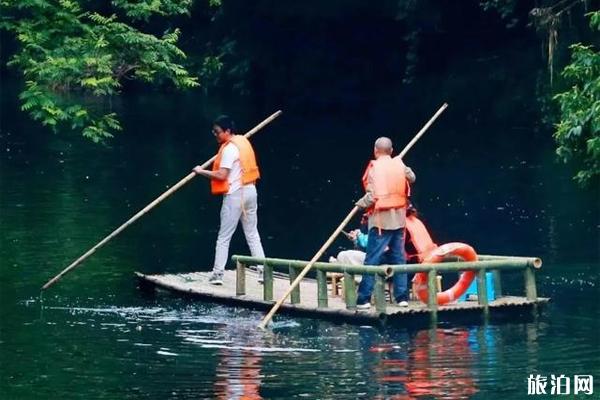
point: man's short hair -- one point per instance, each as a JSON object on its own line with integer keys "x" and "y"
{"x": 225, "y": 122}
{"x": 384, "y": 144}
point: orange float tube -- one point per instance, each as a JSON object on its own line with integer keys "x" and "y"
{"x": 437, "y": 255}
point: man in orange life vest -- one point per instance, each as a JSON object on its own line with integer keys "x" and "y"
{"x": 385, "y": 182}
{"x": 233, "y": 175}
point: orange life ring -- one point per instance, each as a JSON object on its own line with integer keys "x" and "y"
{"x": 437, "y": 255}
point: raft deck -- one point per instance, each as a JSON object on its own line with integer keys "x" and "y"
{"x": 337, "y": 308}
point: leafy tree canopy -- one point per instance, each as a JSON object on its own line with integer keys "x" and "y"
{"x": 74, "y": 55}
{"x": 578, "y": 132}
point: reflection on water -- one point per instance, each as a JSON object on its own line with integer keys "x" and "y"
{"x": 178, "y": 349}
{"x": 238, "y": 374}
{"x": 437, "y": 364}
{"x": 96, "y": 336}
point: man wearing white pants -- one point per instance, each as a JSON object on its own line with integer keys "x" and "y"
{"x": 233, "y": 175}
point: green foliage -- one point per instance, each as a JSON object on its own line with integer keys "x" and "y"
{"x": 144, "y": 9}
{"x": 210, "y": 71}
{"x": 578, "y": 132}
{"x": 66, "y": 48}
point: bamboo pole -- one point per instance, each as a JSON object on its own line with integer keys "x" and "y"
{"x": 432, "y": 289}
{"x": 301, "y": 275}
{"x": 482, "y": 296}
{"x": 295, "y": 294}
{"x": 530, "y": 287}
{"x": 379, "y": 292}
{"x": 268, "y": 317}
{"x": 283, "y": 263}
{"x": 422, "y": 131}
{"x": 150, "y": 206}
{"x": 536, "y": 262}
{"x": 322, "y": 298}
{"x": 432, "y": 296}
{"x": 505, "y": 264}
{"x": 350, "y": 291}
{"x": 240, "y": 281}
{"x": 267, "y": 281}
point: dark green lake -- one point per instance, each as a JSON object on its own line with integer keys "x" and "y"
{"x": 486, "y": 175}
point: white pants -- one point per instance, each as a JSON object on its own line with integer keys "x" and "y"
{"x": 231, "y": 213}
{"x": 352, "y": 257}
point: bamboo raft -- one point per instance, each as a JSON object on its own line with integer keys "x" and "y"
{"x": 317, "y": 298}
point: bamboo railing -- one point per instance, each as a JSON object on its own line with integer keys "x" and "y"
{"x": 486, "y": 263}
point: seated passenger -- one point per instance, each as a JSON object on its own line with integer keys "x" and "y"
{"x": 357, "y": 255}
{"x": 417, "y": 244}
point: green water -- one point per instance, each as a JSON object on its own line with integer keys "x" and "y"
{"x": 482, "y": 178}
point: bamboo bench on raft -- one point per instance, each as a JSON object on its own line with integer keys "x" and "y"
{"x": 337, "y": 285}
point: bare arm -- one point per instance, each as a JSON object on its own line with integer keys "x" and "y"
{"x": 220, "y": 175}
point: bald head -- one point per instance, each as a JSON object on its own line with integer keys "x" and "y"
{"x": 383, "y": 146}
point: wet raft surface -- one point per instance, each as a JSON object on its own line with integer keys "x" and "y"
{"x": 196, "y": 284}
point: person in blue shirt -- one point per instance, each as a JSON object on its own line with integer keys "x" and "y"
{"x": 357, "y": 255}
{"x": 360, "y": 239}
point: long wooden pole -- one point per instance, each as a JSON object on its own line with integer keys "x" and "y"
{"x": 422, "y": 131}
{"x": 274, "y": 309}
{"x": 150, "y": 206}
{"x": 337, "y": 231}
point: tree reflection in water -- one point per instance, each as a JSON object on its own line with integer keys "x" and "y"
{"x": 436, "y": 363}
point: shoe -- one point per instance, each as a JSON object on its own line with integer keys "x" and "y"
{"x": 403, "y": 303}
{"x": 261, "y": 278}
{"x": 260, "y": 271}
{"x": 363, "y": 307}
{"x": 216, "y": 279}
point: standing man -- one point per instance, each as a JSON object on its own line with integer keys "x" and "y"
{"x": 385, "y": 183}
{"x": 233, "y": 175}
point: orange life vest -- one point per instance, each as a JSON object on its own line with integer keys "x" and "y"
{"x": 389, "y": 185}
{"x": 419, "y": 237}
{"x": 250, "y": 172}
